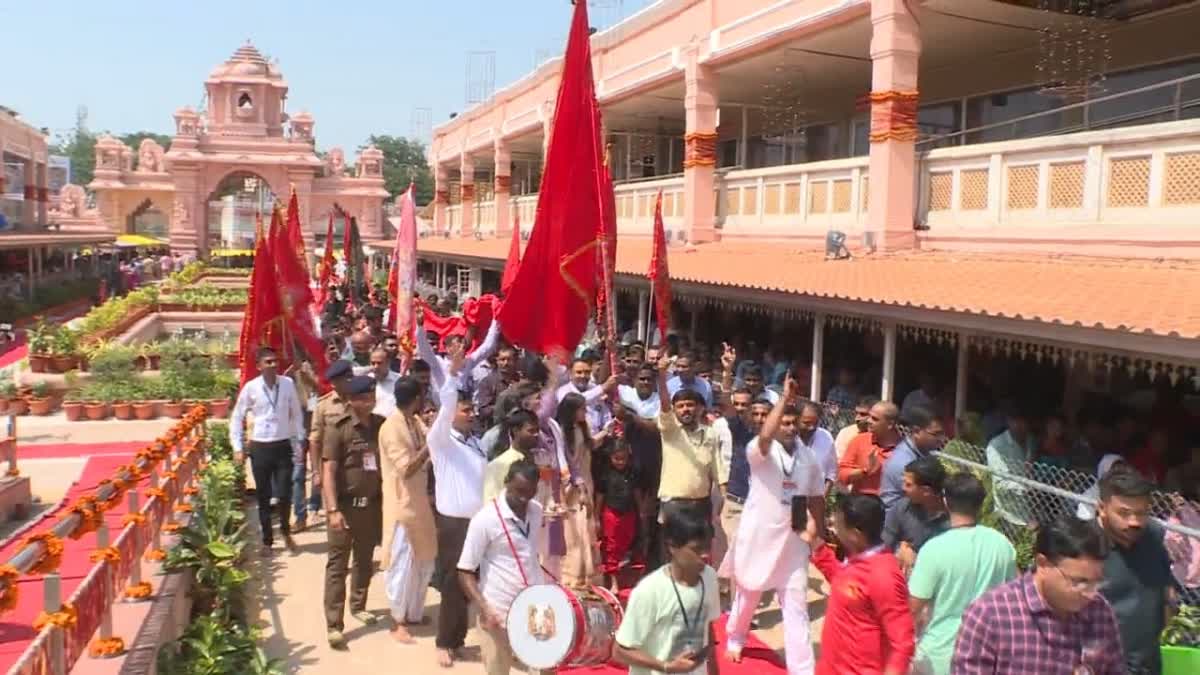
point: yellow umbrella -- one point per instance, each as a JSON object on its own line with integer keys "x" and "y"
{"x": 135, "y": 240}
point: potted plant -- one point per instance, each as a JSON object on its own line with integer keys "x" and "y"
{"x": 72, "y": 404}
{"x": 40, "y": 402}
{"x": 1181, "y": 642}
{"x": 16, "y": 404}
{"x": 225, "y": 387}
{"x": 95, "y": 401}
{"x": 173, "y": 389}
{"x": 122, "y": 395}
{"x": 149, "y": 356}
{"x": 63, "y": 350}
{"x": 40, "y": 337}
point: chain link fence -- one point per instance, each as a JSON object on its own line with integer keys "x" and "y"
{"x": 1024, "y": 494}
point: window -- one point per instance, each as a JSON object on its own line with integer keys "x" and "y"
{"x": 244, "y": 102}
{"x": 1155, "y": 105}
{"x": 997, "y": 108}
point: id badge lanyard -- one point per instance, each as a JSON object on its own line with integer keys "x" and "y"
{"x": 690, "y": 628}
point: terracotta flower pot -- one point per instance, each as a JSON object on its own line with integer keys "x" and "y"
{"x": 17, "y": 406}
{"x": 63, "y": 363}
{"x": 41, "y": 406}
{"x": 38, "y": 362}
{"x": 73, "y": 410}
{"x": 3, "y": 405}
{"x": 145, "y": 410}
{"x": 219, "y": 408}
{"x": 95, "y": 410}
{"x": 122, "y": 410}
{"x": 154, "y": 359}
{"x": 173, "y": 409}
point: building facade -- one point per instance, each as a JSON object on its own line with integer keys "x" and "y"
{"x": 1009, "y": 179}
{"x": 24, "y": 181}
{"x": 225, "y": 166}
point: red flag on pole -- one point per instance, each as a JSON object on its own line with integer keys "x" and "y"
{"x": 514, "y": 257}
{"x": 295, "y": 234}
{"x": 262, "y": 306}
{"x": 402, "y": 278}
{"x": 660, "y": 278}
{"x": 325, "y": 274}
{"x": 550, "y": 301}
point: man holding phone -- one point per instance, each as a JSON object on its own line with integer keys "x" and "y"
{"x": 784, "y": 512}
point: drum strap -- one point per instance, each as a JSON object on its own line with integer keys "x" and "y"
{"x": 511, "y": 547}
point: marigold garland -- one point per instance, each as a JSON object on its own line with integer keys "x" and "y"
{"x": 171, "y": 528}
{"x": 106, "y": 554}
{"x": 106, "y": 647}
{"x": 139, "y": 591}
{"x": 11, "y": 592}
{"x": 170, "y": 476}
{"x": 13, "y": 472}
{"x": 699, "y": 149}
{"x": 191, "y": 491}
{"x": 51, "y": 557}
{"x": 183, "y": 508}
{"x": 65, "y": 618}
{"x": 893, "y": 116}
{"x": 89, "y": 516}
{"x": 155, "y": 554}
{"x": 156, "y": 492}
{"x": 137, "y": 519}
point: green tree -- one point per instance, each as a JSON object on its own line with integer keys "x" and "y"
{"x": 404, "y": 162}
{"x": 80, "y": 146}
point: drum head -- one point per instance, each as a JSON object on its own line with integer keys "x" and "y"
{"x": 542, "y": 626}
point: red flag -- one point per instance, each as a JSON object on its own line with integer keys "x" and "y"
{"x": 295, "y": 234}
{"x": 262, "y": 306}
{"x": 514, "y": 257}
{"x": 402, "y": 278}
{"x": 660, "y": 278}
{"x": 549, "y": 303}
{"x": 606, "y": 301}
{"x": 325, "y": 274}
{"x": 295, "y": 296}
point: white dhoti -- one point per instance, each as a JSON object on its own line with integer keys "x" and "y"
{"x": 793, "y": 602}
{"x": 406, "y": 580}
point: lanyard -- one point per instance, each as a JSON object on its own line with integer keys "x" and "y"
{"x": 511, "y": 547}
{"x": 468, "y": 441}
{"x": 267, "y": 390}
{"x": 787, "y": 470}
{"x": 688, "y": 625}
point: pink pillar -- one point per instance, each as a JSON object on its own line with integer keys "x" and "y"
{"x": 895, "y": 55}
{"x": 468, "y": 195}
{"x": 43, "y": 193}
{"x": 441, "y": 198}
{"x": 700, "y": 151}
{"x": 503, "y": 188}
{"x": 29, "y": 206}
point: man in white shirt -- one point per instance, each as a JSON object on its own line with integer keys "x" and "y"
{"x": 438, "y": 366}
{"x": 500, "y": 558}
{"x": 385, "y": 382}
{"x": 787, "y": 500}
{"x": 819, "y": 441}
{"x": 458, "y": 465}
{"x": 598, "y": 413}
{"x": 276, "y": 441}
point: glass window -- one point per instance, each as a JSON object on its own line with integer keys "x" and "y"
{"x": 940, "y": 119}
{"x": 860, "y": 138}
{"x": 996, "y": 108}
{"x": 1154, "y": 105}
{"x": 233, "y": 210}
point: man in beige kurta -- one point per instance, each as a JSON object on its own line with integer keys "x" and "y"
{"x": 409, "y": 534}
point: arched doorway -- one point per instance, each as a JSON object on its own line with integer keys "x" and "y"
{"x": 233, "y": 209}
{"x": 149, "y": 220}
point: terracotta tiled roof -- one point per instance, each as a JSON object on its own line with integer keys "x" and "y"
{"x": 1152, "y": 297}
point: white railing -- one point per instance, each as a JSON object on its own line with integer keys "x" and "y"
{"x": 454, "y": 220}
{"x": 1138, "y": 176}
{"x": 794, "y": 200}
{"x": 635, "y": 206}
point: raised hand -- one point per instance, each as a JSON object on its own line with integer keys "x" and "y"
{"x": 728, "y": 356}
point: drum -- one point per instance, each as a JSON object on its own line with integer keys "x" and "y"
{"x": 550, "y": 626}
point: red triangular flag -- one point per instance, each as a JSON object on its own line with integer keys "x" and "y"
{"x": 260, "y": 325}
{"x": 514, "y": 257}
{"x": 325, "y": 273}
{"x": 660, "y": 277}
{"x": 549, "y": 303}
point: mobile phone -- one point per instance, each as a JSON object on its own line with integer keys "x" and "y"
{"x": 799, "y": 513}
{"x": 703, "y": 654}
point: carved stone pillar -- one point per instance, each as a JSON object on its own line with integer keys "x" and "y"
{"x": 188, "y": 229}
{"x": 895, "y": 54}
{"x": 699, "y": 150}
{"x": 468, "y": 195}
{"x": 29, "y": 205}
{"x": 441, "y": 198}
{"x": 503, "y": 188}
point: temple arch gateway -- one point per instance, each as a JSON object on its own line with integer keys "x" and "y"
{"x": 240, "y": 153}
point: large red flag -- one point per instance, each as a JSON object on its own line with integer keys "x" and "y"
{"x": 514, "y": 257}
{"x": 660, "y": 278}
{"x": 295, "y": 295}
{"x": 325, "y": 273}
{"x": 549, "y": 303}
{"x": 262, "y": 306}
{"x": 295, "y": 233}
{"x": 402, "y": 278}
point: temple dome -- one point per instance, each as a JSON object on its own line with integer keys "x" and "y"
{"x": 247, "y": 61}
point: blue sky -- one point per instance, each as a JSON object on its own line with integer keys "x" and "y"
{"x": 359, "y": 66}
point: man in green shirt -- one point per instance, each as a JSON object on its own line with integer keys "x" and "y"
{"x": 667, "y": 626}
{"x": 952, "y": 570}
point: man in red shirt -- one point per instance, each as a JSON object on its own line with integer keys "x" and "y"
{"x": 861, "y": 467}
{"x": 868, "y": 627}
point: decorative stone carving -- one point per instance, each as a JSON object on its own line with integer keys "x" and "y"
{"x": 335, "y": 162}
{"x": 302, "y": 127}
{"x": 72, "y": 200}
{"x": 126, "y": 158}
{"x": 187, "y": 122}
{"x": 370, "y": 163}
{"x": 179, "y": 216}
{"x": 108, "y": 153}
{"x": 150, "y": 156}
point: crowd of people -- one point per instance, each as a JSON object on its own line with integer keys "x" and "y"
{"x": 480, "y": 469}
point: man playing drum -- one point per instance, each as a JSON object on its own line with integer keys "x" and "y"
{"x": 651, "y": 639}
{"x": 500, "y": 559}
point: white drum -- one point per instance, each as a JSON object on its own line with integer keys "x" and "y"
{"x": 550, "y": 626}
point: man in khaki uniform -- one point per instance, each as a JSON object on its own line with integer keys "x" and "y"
{"x": 409, "y": 533}
{"x": 329, "y": 408}
{"x": 351, "y": 488}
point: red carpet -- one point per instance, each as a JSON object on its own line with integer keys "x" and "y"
{"x": 66, "y": 450}
{"x": 17, "y": 352}
{"x": 16, "y": 632}
{"x": 757, "y": 657}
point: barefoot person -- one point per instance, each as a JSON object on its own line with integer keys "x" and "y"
{"x": 409, "y": 535}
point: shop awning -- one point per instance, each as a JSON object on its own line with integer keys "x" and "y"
{"x": 138, "y": 240}
{"x": 232, "y": 252}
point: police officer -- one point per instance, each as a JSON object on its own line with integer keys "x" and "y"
{"x": 329, "y": 408}
{"x": 352, "y": 490}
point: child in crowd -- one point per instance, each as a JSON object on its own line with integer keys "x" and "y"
{"x": 618, "y": 503}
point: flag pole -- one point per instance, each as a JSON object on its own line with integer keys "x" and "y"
{"x": 649, "y": 316}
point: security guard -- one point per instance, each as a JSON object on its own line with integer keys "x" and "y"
{"x": 329, "y": 408}
{"x": 352, "y": 490}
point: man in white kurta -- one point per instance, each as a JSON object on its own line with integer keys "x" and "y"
{"x": 768, "y": 554}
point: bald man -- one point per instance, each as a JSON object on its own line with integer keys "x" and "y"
{"x": 861, "y": 468}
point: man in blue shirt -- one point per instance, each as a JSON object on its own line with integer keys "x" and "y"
{"x": 925, "y": 435}
{"x": 685, "y": 378}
